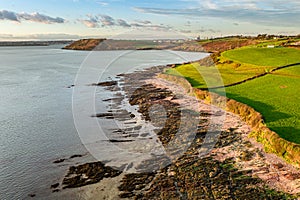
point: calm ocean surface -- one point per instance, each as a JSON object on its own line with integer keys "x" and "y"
{"x": 36, "y": 120}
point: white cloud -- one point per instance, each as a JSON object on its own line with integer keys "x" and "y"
{"x": 122, "y": 23}
{"x": 102, "y": 3}
{"x": 143, "y": 21}
{"x": 8, "y": 15}
{"x": 108, "y": 21}
{"x": 37, "y": 17}
{"x": 209, "y": 4}
{"x": 90, "y": 24}
{"x": 34, "y": 17}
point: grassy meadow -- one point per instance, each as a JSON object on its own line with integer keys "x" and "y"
{"x": 237, "y": 65}
{"x": 275, "y": 95}
{"x": 263, "y": 57}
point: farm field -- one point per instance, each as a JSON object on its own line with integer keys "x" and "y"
{"x": 203, "y": 77}
{"x": 275, "y": 95}
{"x": 264, "y": 56}
{"x": 237, "y": 65}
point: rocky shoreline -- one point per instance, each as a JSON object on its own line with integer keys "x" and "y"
{"x": 236, "y": 168}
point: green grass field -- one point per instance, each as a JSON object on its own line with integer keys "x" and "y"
{"x": 203, "y": 77}
{"x": 275, "y": 96}
{"x": 237, "y": 65}
{"x": 264, "y": 56}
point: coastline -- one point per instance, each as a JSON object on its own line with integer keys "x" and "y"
{"x": 276, "y": 172}
{"x": 138, "y": 45}
{"x": 233, "y": 148}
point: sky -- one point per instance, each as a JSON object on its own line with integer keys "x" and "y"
{"x": 72, "y": 19}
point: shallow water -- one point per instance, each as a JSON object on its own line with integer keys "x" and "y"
{"x": 36, "y": 119}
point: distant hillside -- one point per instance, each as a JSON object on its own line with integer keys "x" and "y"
{"x": 84, "y": 44}
{"x": 33, "y": 43}
{"x": 109, "y": 44}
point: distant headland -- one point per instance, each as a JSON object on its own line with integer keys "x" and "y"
{"x": 34, "y": 43}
